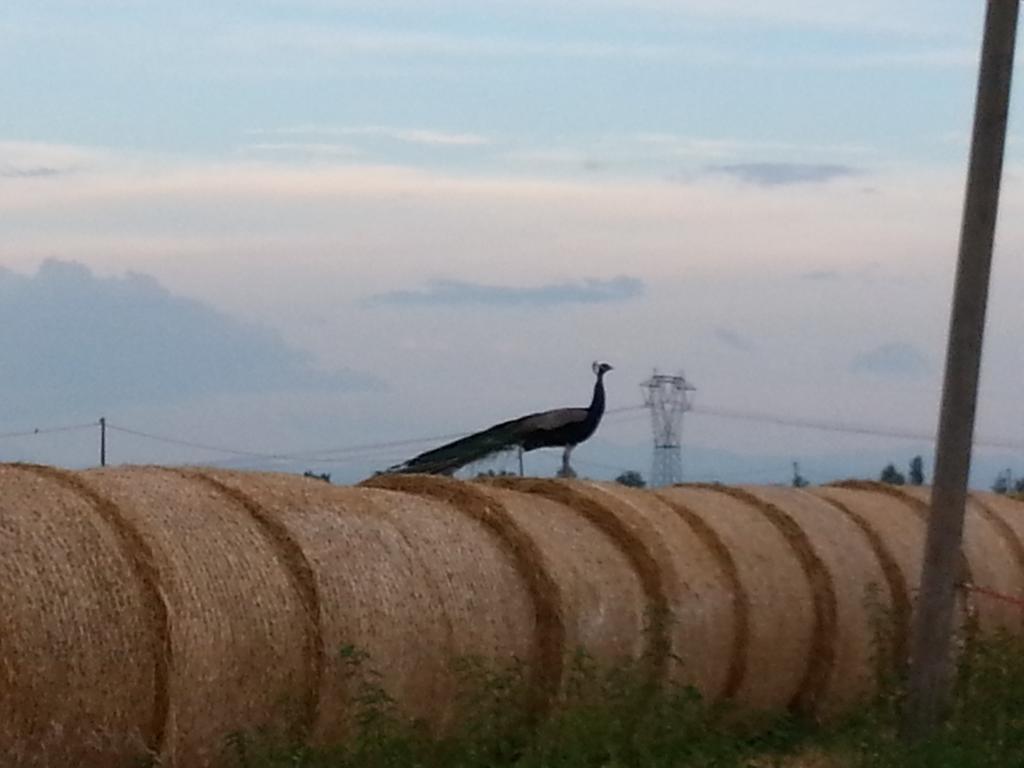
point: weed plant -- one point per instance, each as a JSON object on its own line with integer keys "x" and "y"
{"x": 615, "y": 718}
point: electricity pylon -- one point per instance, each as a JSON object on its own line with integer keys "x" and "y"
{"x": 668, "y": 398}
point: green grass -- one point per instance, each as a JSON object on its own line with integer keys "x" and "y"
{"x": 614, "y": 718}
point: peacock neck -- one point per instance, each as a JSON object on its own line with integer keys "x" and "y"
{"x": 597, "y": 402}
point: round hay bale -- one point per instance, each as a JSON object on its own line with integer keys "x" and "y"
{"x": 1007, "y": 515}
{"x": 235, "y": 622}
{"x": 701, "y": 622}
{"x": 990, "y": 561}
{"x": 897, "y": 526}
{"x": 1010, "y": 511}
{"x": 548, "y": 637}
{"x": 781, "y": 617}
{"x": 727, "y": 598}
{"x": 155, "y": 611}
{"x": 689, "y": 604}
{"x": 81, "y": 646}
{"x": 600, "y": 594}
{"x": 856, "y": 589}
{"x": 406, "y": 580}
{"x": 891, "y": 612}
{"x": 634, "y": 538}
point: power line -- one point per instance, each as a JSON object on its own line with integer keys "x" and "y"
{"x": 361, "y": 451}
{"x": 47, "y": 430}
{"x": 326, "y": 454}
{"x": 312, "y": 455}
{"x": 834, "y": 426}
{"x": 191, "y": 444}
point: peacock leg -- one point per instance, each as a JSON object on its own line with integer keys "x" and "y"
{"x": 567, "y": 470}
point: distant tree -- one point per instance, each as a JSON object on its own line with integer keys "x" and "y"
{"x": 799, "y": 481}
{"x": 492, "y": 473}
{"x": 631, "y": 478}
{"x": 916, "y": 475}
{"x": 1004, "y": 482}
{"x": 325, "y": 476}
{"x": 892, "y": 475}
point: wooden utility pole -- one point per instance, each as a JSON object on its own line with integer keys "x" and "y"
{"x": 103, "y": 441}
{"x": 931, "y": 665}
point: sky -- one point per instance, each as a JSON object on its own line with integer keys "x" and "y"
{"x": 304, "y": 227}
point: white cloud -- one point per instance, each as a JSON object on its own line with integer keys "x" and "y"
{"x": 930, "y": 59}
{"x": 302, "y": 150}
{"x": 685, "y": 146}
{"x": 423, "y": 224}
{"x": 426, "y": 136}
{"x": 912, "y": 18}
{"x": 340, "y": 42}
{"x": 25, "y": 158}
{"x": 297, "y": 247}
{"x": 419, "y": 136}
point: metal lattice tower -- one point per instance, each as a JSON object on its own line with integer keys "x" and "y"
{"x": 668, "y": 398}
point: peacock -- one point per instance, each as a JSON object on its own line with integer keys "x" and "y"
{"x": 563, "y": 427}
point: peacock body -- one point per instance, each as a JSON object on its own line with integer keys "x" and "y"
{"x": 562, "y": 427}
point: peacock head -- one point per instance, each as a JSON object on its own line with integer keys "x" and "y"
{"x": 601, "y": 368}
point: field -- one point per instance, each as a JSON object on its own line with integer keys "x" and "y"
{"x": 613, "y": 719}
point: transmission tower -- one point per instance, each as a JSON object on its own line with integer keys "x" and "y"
{"x": 668, "y": 398}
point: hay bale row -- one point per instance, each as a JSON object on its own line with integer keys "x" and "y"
{"x": 157, "y": 610}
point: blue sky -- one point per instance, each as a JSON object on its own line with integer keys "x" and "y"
{"x": 461, "y": 204}
{"x": 210, "y": 78}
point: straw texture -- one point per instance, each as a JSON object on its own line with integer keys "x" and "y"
{"x": 690, "y": 590}
{"x": 894, "y": 600}
{"x": 992, "y": 562}
{"x": 584, "y": 581}
{"x": 405, "y": 579}
{"x": 627, "y": 529}
{"x": 600, "y": 595}
{"x": 235, "y": 621}
{"x": 547, "y": 655}
{"x": 1007, "y": 515}
{"x": 839, "y": 558}
{"x": 82, "y": 656}
{"x": 899, "y": 524}
{"x": 721, "y": 602}
{"x": 781, "y": 613}
{"x": 151, "y": 611}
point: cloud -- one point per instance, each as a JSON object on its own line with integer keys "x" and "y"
{"x": 733, "y": 339}
{"x": 894, "y": 359}
{"x": 821, "y": 275}
{"x": 179, "y": 217}
{"x": 76, "y": 343}
{"x": 30, "y": 172}
{"x": 423, "y": 136}
{"x": 314, "y": 150}
{"x": 682, "y": 145}
{"x": 911, "y": 18}
{"x": 932, "y": 59}
{"x": 348, "y": 42}
{"x": 778, "y": 174}
{"x": 462, "y": 293}
{"x": 36, "y": 160}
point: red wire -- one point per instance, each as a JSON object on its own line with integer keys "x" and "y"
{"x": 998, "y": 596}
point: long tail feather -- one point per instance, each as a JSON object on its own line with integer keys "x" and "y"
{"x": 452, "y": 456}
